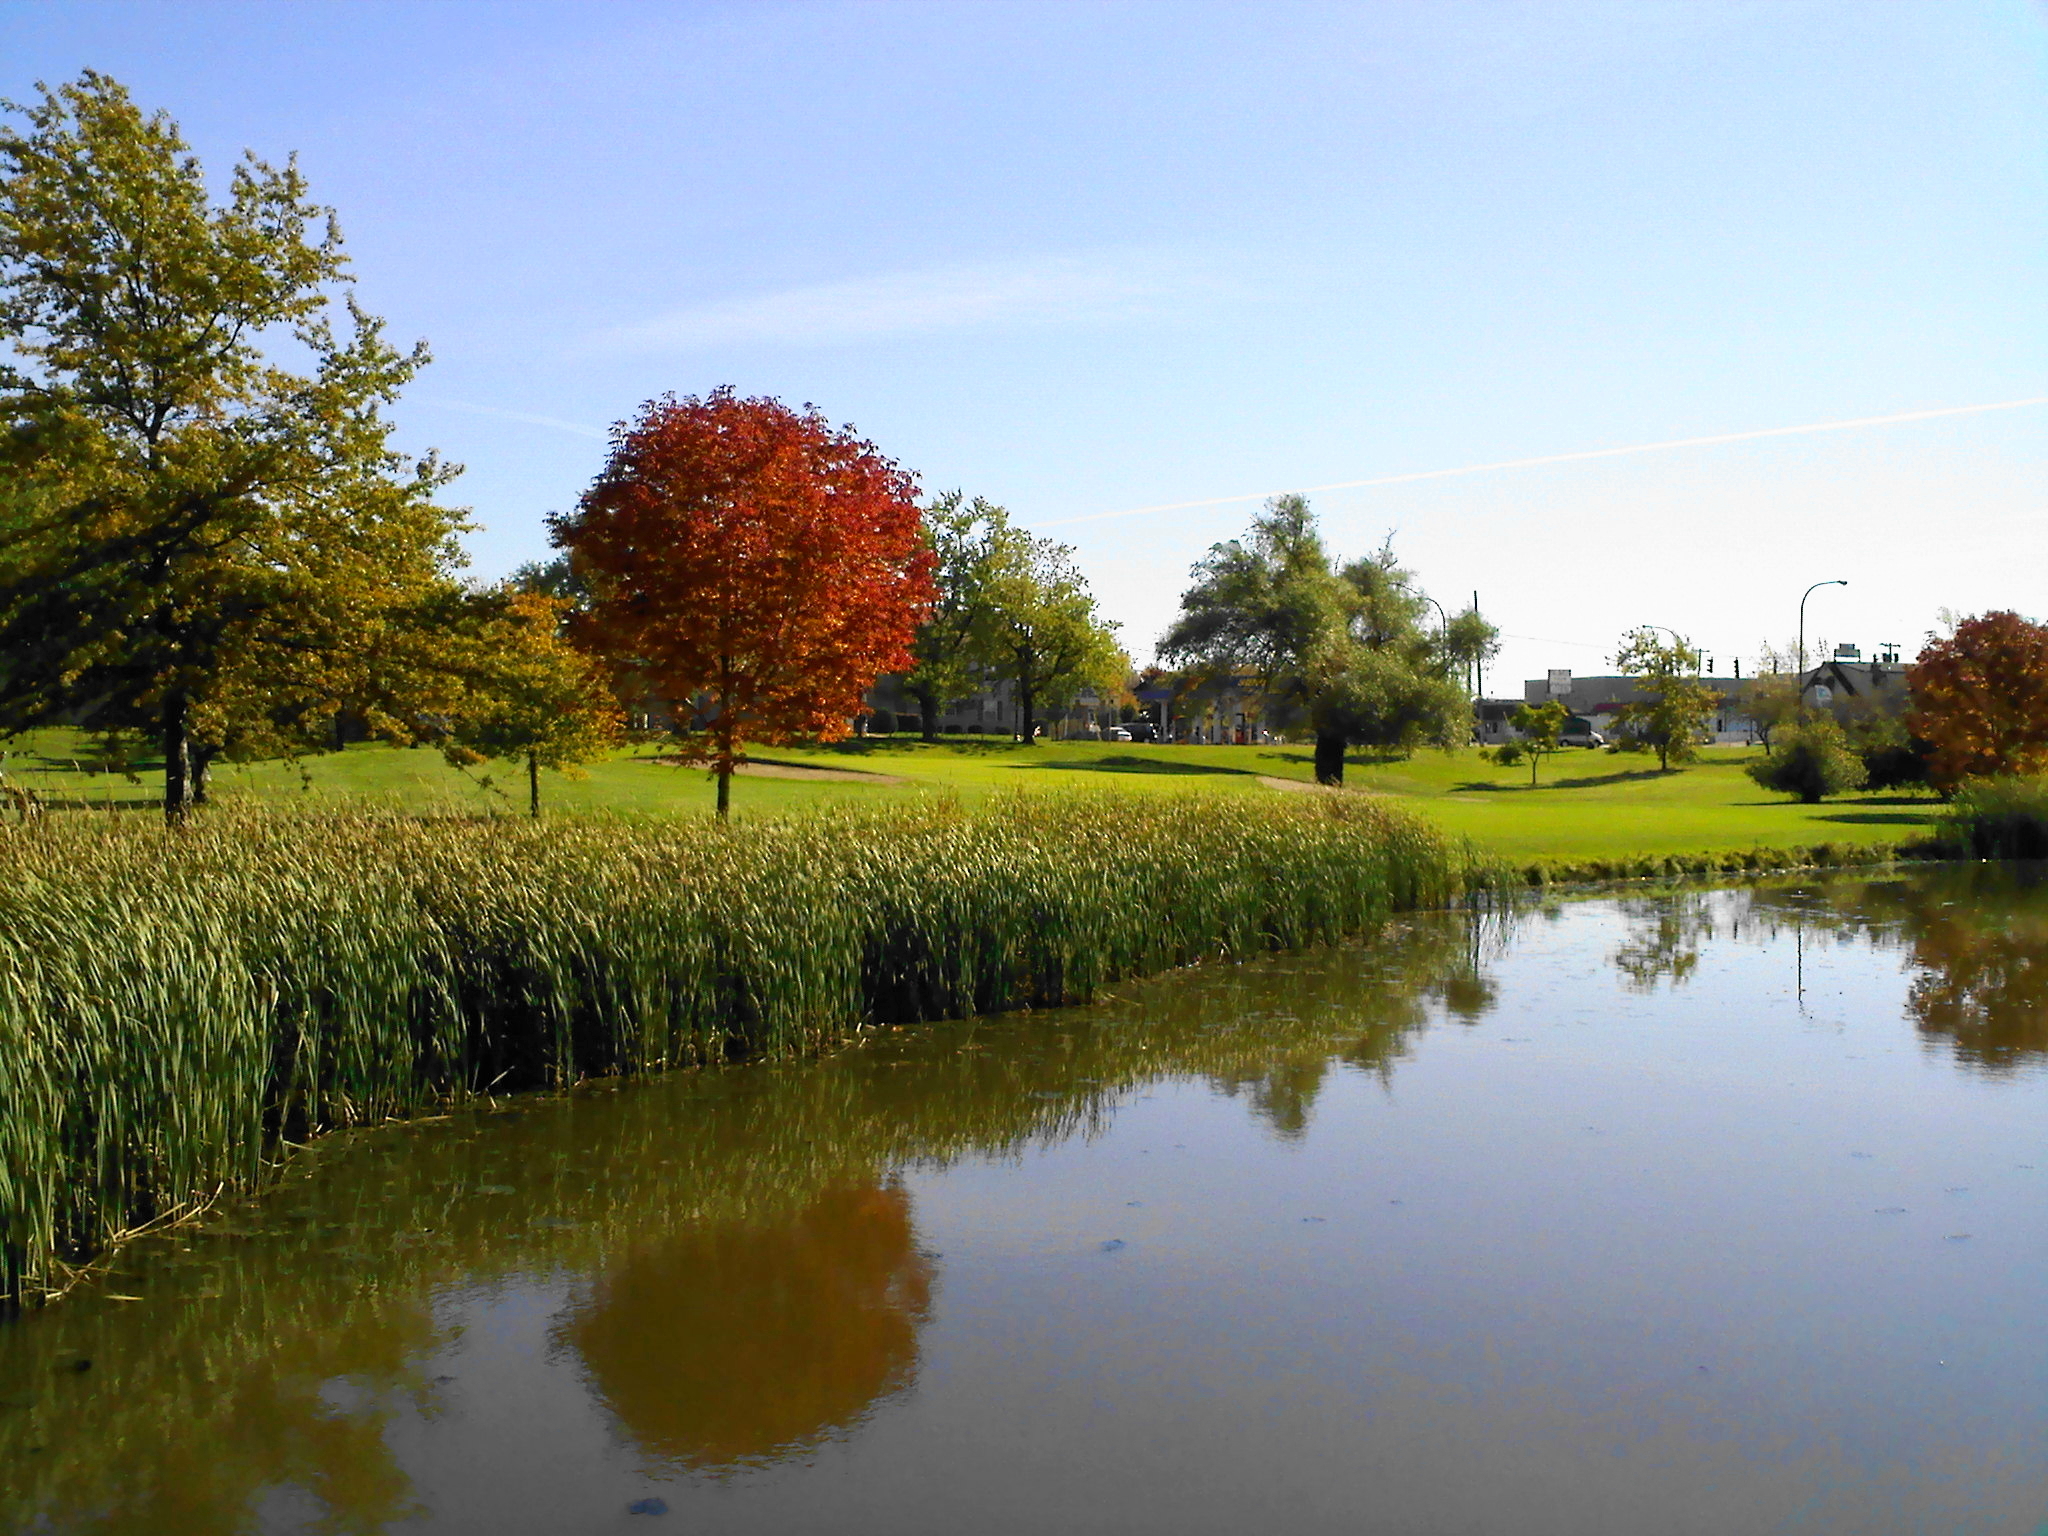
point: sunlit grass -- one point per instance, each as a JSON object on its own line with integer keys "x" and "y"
{"x": 1588, "y": 805}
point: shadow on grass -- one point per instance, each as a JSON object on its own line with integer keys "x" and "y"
{"x": 1137, "y": 765}
{"x": 1351, "y": 759}
{"x": 1589, "y": 781}
{"x": 1881, "y": 818}
{"x": 956, "y": 746}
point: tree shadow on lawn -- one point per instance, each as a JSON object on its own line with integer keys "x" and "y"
{"x": 957, "y": 746}
{"x": 1137, "y": 765}
{"x": 1351, "y": 759}
{"x": 1592, "y": 781}
{"x": 1881, "y": 818}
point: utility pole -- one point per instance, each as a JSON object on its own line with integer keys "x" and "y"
{"x": 1478, "y": 662}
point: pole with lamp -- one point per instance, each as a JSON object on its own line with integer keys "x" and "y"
{"x": 1802, "y": 631}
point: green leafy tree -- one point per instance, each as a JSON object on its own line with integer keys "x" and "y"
{"x": 1669, "y": 721}
{"x": 1039, "y": 630}
{"x": 1771, "y": 701}
{"x": 1470, "y": 641}
{"x": 526, "y": 693}
{"x": 196, "y": 536}
{"x": 1344, "y": 651}
{"x": 965, "y": 539}
{"x": 1541, "y": 725}
{"x": 1814, "y": 759}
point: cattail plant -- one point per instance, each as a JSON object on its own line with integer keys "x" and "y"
{"x": 175, "y": 1005}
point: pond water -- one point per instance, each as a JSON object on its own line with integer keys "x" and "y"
{"x": 1720, "y": 1211}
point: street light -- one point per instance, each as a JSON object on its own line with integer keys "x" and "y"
{"x": 1802, "y": 626}
{"x": 1442, "y": 618}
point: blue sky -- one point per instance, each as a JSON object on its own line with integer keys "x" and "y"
{"x": 1085, "y": 258}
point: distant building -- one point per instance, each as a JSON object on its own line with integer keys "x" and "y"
{"x": 992, "y": 710}
{"x": 1845, "y": 684}
{"x": 1599, "y": 701}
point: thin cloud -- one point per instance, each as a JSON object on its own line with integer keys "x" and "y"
{"x": 1561, "y": 458}
{"x": 1046, "y": 291}
{"x": 580, "y": 429}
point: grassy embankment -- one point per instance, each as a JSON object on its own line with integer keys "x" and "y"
{"x": 1590, "y": 809}
{"x": 171, "y": 1008}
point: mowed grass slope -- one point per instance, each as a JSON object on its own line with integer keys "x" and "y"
{"x": 1588, "y": 804}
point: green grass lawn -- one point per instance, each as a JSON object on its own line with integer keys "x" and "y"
{"x": 1590, "y": 805}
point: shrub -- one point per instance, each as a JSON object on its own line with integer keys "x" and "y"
{"x": 1895, "y": 765}
{"x": 2001, "y": 818}
{"x": 1813, "y": 760}
{"x": 1508, "y": 753}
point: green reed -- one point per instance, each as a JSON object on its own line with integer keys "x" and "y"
{"x": 173, "y": 1005}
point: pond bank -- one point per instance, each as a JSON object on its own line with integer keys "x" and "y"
{"x": 175, "y": 1009}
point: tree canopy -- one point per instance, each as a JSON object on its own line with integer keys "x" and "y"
{"x": 967, "y": 540}
{"x": 757, "y": 567}
{"x": 527, "y": 694}
{"x": 194, "y": 537}
{"x": 1038, "y": 628}
{"x": 1678, "y": 706}
{"x": 1980, "y": 699}
{"x": 1347, "y": 651}
{"x": 1542, "y": 727}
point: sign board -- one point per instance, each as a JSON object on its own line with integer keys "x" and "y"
{"x": 1560, "y": 682}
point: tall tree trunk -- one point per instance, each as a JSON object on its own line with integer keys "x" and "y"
{"x": 724, "y": 737}
{"x": 201, "y": 755}
{"x": 1329, "y": 759}
{"x": 177, "y": 757}
{"x": 1025, "y": 708}
{"x": 927, "y": 713}
{"x": 533, "y": 782}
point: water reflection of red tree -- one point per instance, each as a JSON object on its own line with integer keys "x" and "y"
{"x": 735, "y": 1342}
{"x": 1982, "y": 981}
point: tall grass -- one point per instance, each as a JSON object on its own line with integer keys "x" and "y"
{"x": 174, "y": 1005}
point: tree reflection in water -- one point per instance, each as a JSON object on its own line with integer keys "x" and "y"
{"x": 732, "y": 1343}
{"x": 1984, "y": 985}
{"x": 1664, "y": 939}
{"x": 749, "y": 1265}
{"x": 1974, "y": 938}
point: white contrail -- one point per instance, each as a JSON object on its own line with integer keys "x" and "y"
{"x": 1561, "y": 458}
{"x": 555, "y": 422}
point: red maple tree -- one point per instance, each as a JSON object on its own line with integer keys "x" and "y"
{"x": 756, "y": 567}
{"x": 1980, "y": 699}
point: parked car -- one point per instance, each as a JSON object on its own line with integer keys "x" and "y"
{"x": 1142, "y": 730}
{"x": 1116, "y": 733}
{"x": 1582, "y": 739}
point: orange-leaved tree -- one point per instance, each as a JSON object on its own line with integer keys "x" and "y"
{"x": 758, "y": 568}
{"x": 1980, "y": 699}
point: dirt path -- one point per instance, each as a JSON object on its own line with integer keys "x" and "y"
{"x": 1310, "y": 787}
